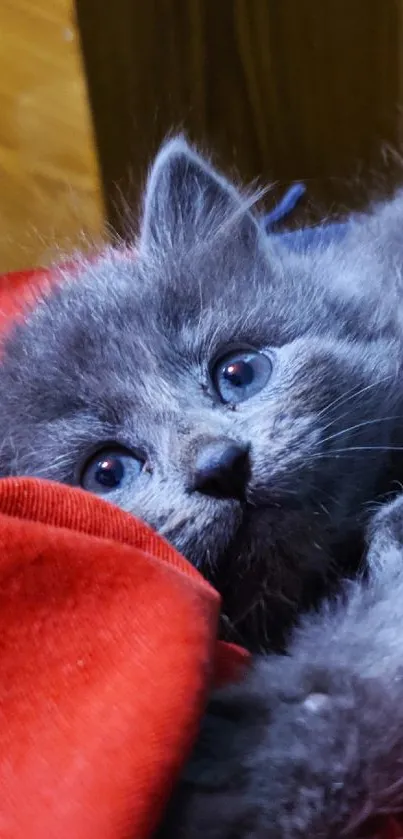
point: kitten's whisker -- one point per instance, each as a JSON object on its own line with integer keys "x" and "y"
{"x": 172, "y": 524}
{"x": 370, "y": 448}
{"x": 251, "y": 606}
{"x": 346, "y": 451}
{"x": 210, "y": 564}
{"x": 57, "y": 466}
{"x": 351, "y": 394}
{"x": 337, "y": 419}
{"x": 233, "y": 629}
{"x": 356, "y": 427}
{"x": 325, "y": 509}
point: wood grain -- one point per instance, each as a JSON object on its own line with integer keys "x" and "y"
{"x": 49, "y": 184}
{"x": 283, "y": 89}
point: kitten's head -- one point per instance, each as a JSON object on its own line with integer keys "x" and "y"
{"x": 204, "y": 380}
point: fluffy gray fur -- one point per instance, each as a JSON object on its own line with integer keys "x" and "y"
{"x": 122, "y": 355}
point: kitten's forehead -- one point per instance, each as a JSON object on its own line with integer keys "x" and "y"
{"x": 183, "y": 308}
{"x": 156, "y": 316}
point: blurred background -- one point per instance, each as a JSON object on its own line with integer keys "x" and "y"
{"x": 282, "y": 90}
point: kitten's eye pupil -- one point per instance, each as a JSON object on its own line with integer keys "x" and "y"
{"x": 109, "y": 472}
{"x": 240, "y": 375}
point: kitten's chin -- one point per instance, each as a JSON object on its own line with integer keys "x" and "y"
{"x": 277, "y": 563}
{"x": 268, "y": 563}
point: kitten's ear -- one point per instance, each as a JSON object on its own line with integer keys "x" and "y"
{"x": 186, "y": 199}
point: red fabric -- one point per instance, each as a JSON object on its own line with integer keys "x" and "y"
{"x": 17, "y": 290}
{"x": 107, "y": 651}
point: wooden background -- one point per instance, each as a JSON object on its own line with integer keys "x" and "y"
{"x": 49, "y": 184}
{"x": 280, "y": 89}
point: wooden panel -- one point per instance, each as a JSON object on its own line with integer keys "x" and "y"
{"x": 49, "y": 189}
{"x": 287, "y": 89}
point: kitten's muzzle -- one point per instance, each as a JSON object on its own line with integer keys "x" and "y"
{"x": 221, "y": 469}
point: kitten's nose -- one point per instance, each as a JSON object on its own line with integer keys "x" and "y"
{"x": 221, "y": 469}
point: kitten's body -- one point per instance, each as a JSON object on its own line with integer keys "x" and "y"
{"x": 122, "y": 355}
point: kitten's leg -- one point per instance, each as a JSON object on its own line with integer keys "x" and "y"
{"x": 311, "y": 745}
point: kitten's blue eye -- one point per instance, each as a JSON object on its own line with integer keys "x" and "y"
{"x": 240, "y": 375}
{"x": 110, "y": 470}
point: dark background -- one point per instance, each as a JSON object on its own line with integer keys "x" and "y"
{"x": 278, "y": 89}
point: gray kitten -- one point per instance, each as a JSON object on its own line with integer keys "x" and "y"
{"x": 240, "y": 398}
{"x": 246, "y": 401}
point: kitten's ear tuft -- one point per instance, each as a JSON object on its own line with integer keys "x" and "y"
{"x": 186, "y": 198}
